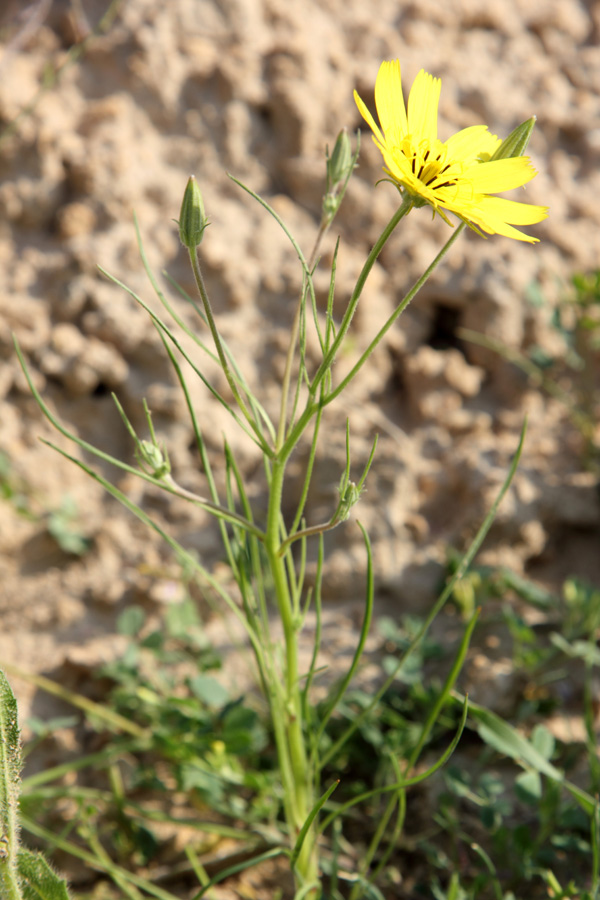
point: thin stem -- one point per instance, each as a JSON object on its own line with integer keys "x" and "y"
{"x": 219, "y": 512}
{"x": 308, "y": 715}
{"x": 193, "y": 254}
{"x": 397, "y": 312}
{"x": 380, "y": 831}
{"x": 329, "y": 357}
{"x": 341, "y": 689}
{"x": 285, "y": 606}
{"x": 311, "y": 531}
{"x": 288, "y": 372}
{"x": 285, "y": 390}
{"x": 308, "y": 472}
{"x": 443, "y": 695}
{"x": 392, "y": 839}
{"x": 288, "y": 715}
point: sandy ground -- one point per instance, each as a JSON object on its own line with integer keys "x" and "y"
{"x": 258, "y": 88}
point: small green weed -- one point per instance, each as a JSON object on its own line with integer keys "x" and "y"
{"x": 537, "y": 833}
{"x": 13, "y": 489}
{"x": 195, "y": 739}
{"x": 61, "y": 523}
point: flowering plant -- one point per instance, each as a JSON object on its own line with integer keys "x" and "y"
{"x": 459, "y": 177}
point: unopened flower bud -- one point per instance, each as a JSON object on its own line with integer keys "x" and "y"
{"x": 339, "y": 164}
{"x": 349, "y": 496}
{"x": 516, "y": 142}
{"x": 339, "y": 169}
{"x": 192, "y": 220}
{"x": 151, "y": 455}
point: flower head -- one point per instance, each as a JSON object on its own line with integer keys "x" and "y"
{"x": 457, "y": 175}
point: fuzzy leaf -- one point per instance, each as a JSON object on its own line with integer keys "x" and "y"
{"x": 38, "y": 880}
{"x": 10, "y": 767}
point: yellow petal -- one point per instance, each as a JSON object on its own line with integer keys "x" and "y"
{"x": 390, "y": 101}
{"x": 362, "y": 108}
{"x": 512, "y": 211}
{"x": 498, "y": 227}
{"x": 471, "y": 143}
{"x": 500, "y": 175}
{"x": 497, "y": 216}
{"x": 423, "y": 107}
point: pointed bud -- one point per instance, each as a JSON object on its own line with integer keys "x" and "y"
{"x": 516, "y": 142}
{"x": 339, "y": 164}
{"x": 192, "y": 220}
{"x": 339, "y": 168}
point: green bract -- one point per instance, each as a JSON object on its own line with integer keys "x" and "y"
{"x": 516, "y": 142}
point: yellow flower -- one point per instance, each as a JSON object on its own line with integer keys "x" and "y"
{"x": 457, "y": 175}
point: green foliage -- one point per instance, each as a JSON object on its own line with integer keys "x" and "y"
{"x": 61, "y": 523}
{"x": 576, "y": 318}
{"x": 536, "y": 824}
{"x": 63, "y": 526}
{"x": 10, "y": 767}
{"x": 195, "y": 740}
{"x": 12, "y": 488}
{"x": 526, "y": 824}
{"x": 207, "y": 738}
{"x": 23, "y": 875}
{"x": 38, "y": 880}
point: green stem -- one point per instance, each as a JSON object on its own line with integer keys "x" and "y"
{"x": 298, "y": 428}
{"x": 294, "y": 336}
{"x": 219, "y": 347}
{"x": 285, "y": 389}
{"x": 397, "y": 312}
{"x": 311, "y": 531}
{"x": 288, "y": 714}
{"x": 9, "y": 884}
{"x": 308, "y": 471}
{"x": 329, "y": 357}
{"x": 219, "y": 512}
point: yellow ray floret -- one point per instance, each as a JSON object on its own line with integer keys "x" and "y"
{"x": 457, "y": 175}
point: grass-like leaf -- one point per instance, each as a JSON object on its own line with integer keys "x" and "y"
{"x": 404, "y": 782}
